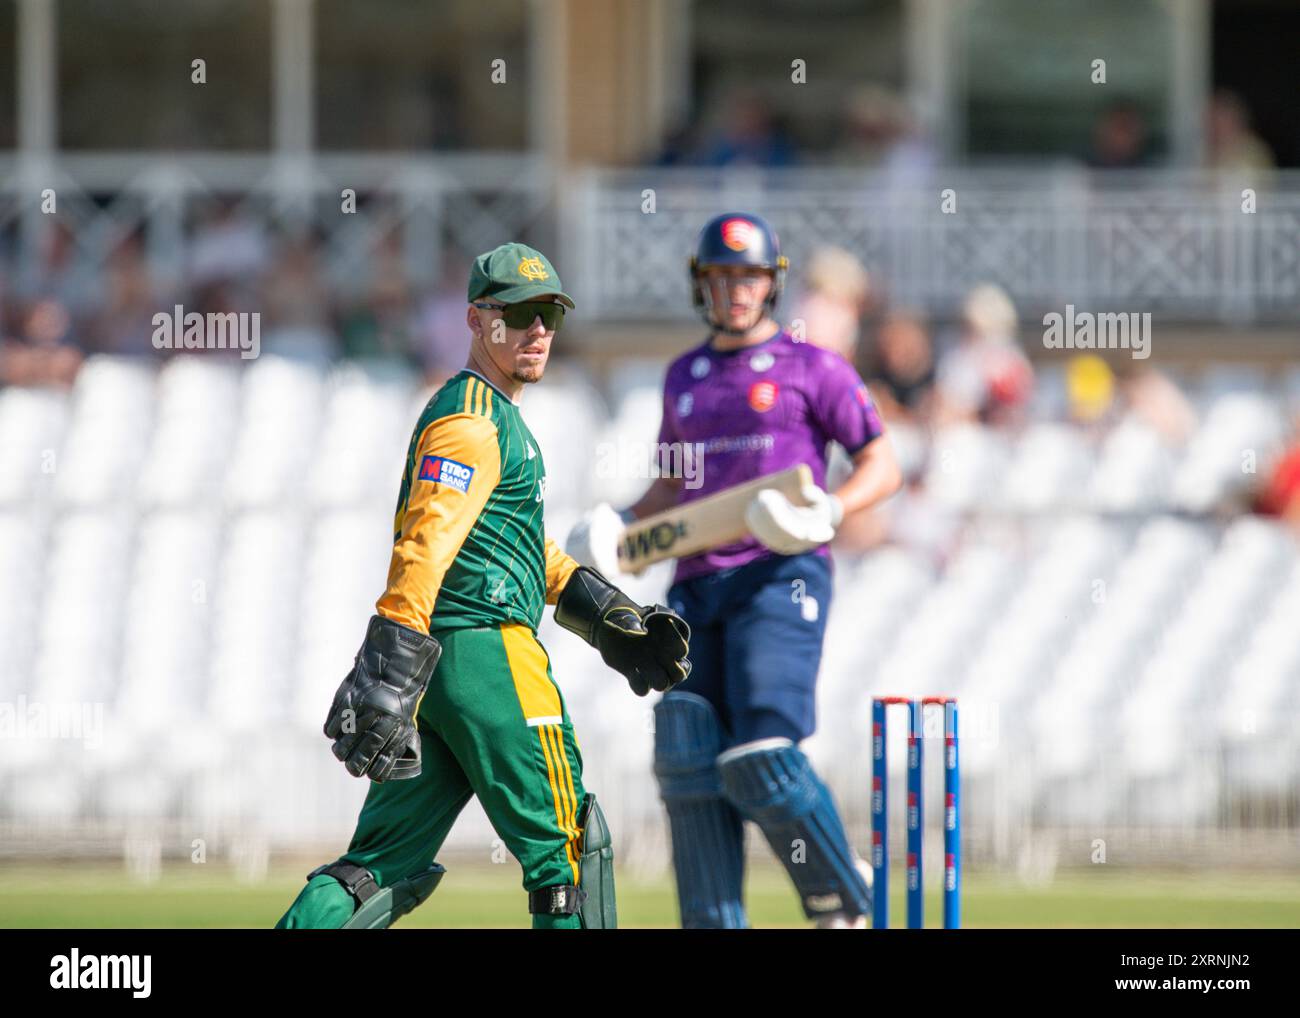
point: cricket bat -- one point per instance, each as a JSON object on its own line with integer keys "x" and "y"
{"x": 708, "y": 523}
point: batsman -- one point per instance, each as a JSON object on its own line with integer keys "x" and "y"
{"x": 755, "y": 400}
{"x": 451, "y": 694}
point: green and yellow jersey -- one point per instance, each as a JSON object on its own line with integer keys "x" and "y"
{"x": 469, "y": 548}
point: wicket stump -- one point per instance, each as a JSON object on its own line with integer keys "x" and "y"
{"x": 915, "y": 811}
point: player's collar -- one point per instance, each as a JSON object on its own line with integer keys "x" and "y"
{"x": 471, "y": 371}
{"x": 775, "y": 337}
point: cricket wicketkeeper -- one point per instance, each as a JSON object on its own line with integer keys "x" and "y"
{"x": 451, "y": 694}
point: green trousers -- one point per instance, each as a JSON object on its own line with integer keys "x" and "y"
{"x": 493, "y": 724}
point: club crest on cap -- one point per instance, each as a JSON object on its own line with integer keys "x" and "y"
{"x": 532, "y": 268}
{"x": 737, "y": 234}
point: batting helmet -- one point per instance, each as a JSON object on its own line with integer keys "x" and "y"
{"x": 737, "y": 238}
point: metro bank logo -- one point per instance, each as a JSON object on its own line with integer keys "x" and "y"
{"x": 441, "y": 470}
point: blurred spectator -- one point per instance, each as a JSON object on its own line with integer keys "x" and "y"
{"x": 59, "y": 275}
{"x": 381, "y": 327}
{"x": 296, "y": 304}
{"x": 42, "y": 355}
{"x": 1089, "y": 388}
{"x": 837, "y": 293}
{"x": 125, "y": 323}
{"x": 442, "y": 335}
{"x": 1154, "y": 398}
{"x": 220, "y": 297}
{"x": 985, "y": 377}
{"x": 1279, "y": 494}
{"x": 881, "y": 132}
{"x": 678, "y": 148}
{"x": 749, "y": 136}
{"x": 1120, "y": 138}
{"x": 230, "y": 246}
{"x": 1233, "y": 149}
{"x": 900, "y": 372}
{"x": 871, "y": 125}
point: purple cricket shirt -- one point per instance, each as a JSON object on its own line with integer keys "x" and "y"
{"x": 748, "y": 412}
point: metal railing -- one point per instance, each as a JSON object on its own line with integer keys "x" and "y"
{"x": 428, "y": 204}
{"x": 1175, "y": 243}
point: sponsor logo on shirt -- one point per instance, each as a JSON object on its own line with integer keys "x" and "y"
{"x": 762, "y": 396}
{"x": 441, "y": 470}
{"x": 699, "y": 367}
{"x": 739, "y": 443}
{"x": 761, "y": 361}
{"x": 685, "y": 404}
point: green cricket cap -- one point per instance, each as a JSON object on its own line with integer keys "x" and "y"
{"x": 512, "y": 273}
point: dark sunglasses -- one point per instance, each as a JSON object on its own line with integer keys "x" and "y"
{"x": 521, "y": 315}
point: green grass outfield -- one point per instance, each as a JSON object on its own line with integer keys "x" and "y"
{"x": 100, "y": 895}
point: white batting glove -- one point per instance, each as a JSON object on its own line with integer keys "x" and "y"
{"x": 593, "y": 541}
{"x": 789, "y": 529}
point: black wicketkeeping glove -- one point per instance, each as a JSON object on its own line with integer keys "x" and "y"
{"x": 647, "y": 644}
{"x": 372, "y": 721}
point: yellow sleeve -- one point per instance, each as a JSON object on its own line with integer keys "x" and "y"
{"x": 559, "y": 567}
{"x": 457, "y": 464}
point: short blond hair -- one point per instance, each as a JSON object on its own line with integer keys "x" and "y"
{"x": 990, "y": 312}
{"x": 837, "y": 273}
